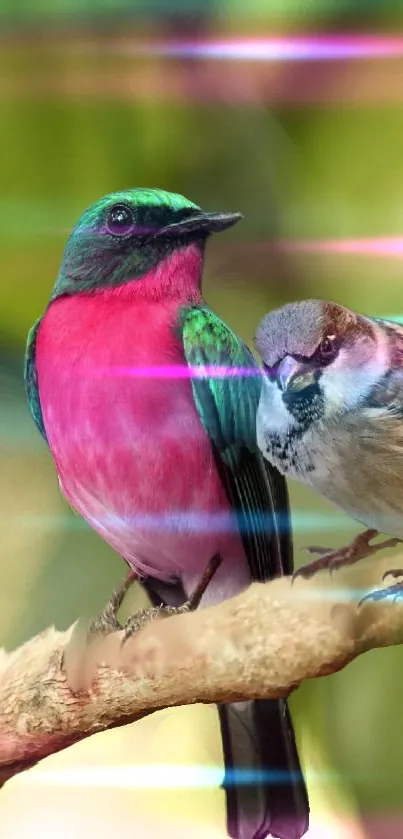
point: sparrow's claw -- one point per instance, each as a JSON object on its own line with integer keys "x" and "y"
{"x": 108, "y": 620}
{"x": 144, "y": 616}
{"x": 359, "y": 548}
{"x": 394, "y": 591}
{"x": 317, "y": 549}
{"x": 394, "y": 572}
{"x": 328, "y": 560}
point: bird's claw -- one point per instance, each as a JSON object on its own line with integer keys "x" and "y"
{"x": 144, "y": 616}
{"x": 359, "y": 548}
{"x": 394, "y": 572}
{"x": 394, "y": 591}
{"x": 108, "y": 621}
{"x": 317, "y": 549}
{"x": 326, "y": 561}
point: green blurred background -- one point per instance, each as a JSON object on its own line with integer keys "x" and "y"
{"x": 310, "y": 151}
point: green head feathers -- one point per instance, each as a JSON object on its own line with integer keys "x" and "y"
{"x": 125, "y": 234}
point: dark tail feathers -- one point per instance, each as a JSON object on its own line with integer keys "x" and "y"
{"x": 259, "y": 747}
{"x": 258, "y": 737}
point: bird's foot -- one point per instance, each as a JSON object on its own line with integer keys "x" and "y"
{"x": 144, "y": 616}
{"x": 90, "y": 647}
{"x": 331, "y": 560}
{"x": 107, "y": 621}
{"x": 394, "y": 591}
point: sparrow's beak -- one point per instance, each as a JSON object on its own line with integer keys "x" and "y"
{"x": 204, "y": 223}
{"x": 294, "y": 375}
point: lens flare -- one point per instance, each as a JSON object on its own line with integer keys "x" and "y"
{"x": 314, "y": 47}
{"x": 302, "y": 522}
{"x": 181, "y": 371}
{"x": 165, "y": 776}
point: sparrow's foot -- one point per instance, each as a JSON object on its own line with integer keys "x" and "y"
{"x": 395, "y": 591}
{"x": 317, "y": 549}
{"x": 144, "y": 616}
{"x": 108, "y": 620}
{"x": 359, "y": 548}
{"x": 394, "y": 572}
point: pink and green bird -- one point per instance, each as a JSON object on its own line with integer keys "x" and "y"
{"x": 148, "y": 403}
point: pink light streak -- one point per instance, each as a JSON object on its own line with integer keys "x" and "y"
{"x": 314, "y": 47}
{"x": 388, "y": 246}
{"x": 381, "y": 246}
{"x": 358, "y": 70}
{"x": 179, "y": 371}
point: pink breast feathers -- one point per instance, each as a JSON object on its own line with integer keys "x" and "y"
{"x": 130, "y": 451}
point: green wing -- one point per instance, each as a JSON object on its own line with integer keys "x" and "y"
{"x": 227, "y": 406}
{"x": 31, "y": 379}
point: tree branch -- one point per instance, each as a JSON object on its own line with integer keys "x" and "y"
{"x": 60, "y": 687}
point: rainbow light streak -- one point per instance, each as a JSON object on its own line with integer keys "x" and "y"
{"x": 185, "y": 522}
{"x": 213, "y": 522}
{"x": 165, "y": 776}
{"x": 315, "y": 47}
{"x": 180, "y": 371}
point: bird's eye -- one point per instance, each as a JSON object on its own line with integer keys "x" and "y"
{"x": 327, "y": 348}
{"x": 120, "y": 220}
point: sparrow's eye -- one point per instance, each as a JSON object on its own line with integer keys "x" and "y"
{"x": 327, "y": 348}
{"x": 120, "y": 220}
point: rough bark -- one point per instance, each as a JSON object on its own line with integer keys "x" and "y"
{"x": 60, "y": 687}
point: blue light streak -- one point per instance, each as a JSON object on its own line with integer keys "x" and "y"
{"x": 168, "y": 776}
{"x": 302, "y": 522}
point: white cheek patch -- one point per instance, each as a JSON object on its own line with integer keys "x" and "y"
{"x": 272, "y": 415}
{"x": 339, "y": 383}
{"x": 346, "y": 384}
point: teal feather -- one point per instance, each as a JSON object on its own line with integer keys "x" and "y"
{"x": 227, "y": 407}
{"x": 94, "y": 260}
{"x": 31, "y": 379}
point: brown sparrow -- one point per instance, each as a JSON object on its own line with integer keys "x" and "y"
{"x": 331, "y": 415}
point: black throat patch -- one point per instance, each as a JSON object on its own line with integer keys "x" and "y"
{"x": 306, "y": 406}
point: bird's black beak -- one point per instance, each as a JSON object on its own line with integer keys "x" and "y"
{"x": 203, "y": 223}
